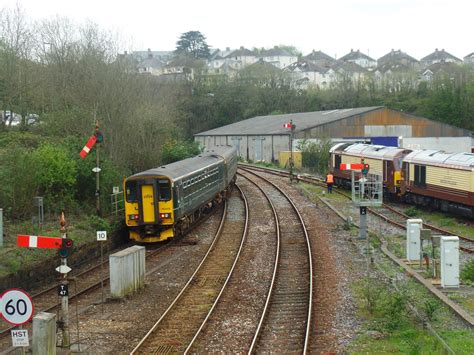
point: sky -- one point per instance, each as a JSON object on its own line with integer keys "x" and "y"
{"x": 375, "y": 27}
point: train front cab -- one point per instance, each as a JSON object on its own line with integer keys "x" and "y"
{"x": 149, "y": 209}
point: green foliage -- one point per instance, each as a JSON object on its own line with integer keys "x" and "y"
{"x": 193, "y": 44}
{"x": 55, "y": 175}
{"x": 17, "y": 174}
{"x": 412, "y": 212}
{"x": 315, "y": 154}
{"x": 430, "y": 306}
{"x": 467, "y": 272}
{"x": 174, "y": 150}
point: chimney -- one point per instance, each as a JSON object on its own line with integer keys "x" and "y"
{"x": 150, "y": 55}
{"x": 241, "y": 48}
{"x": 436, "y": 49}
{"x": 227, "y": 49}
{"x": 275, "y": 47}
{"x": 125, "y": 53}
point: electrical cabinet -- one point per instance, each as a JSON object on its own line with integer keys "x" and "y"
{"x": 449, "y": 261}
{"x": 414, "y": 227}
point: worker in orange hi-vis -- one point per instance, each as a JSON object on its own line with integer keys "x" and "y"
{"x": 329, "y": 182}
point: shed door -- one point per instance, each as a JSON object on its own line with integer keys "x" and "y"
{"x": 258, "y": 149}
{"x": 148, "y": 203}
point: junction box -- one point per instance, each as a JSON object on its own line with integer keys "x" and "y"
{"x": 414, "y": 227}
{"x": 449, "y": 261}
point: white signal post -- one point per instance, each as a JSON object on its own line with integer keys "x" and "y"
{"x": 102, "y": 237}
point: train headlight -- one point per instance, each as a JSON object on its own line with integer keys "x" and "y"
{"x": 133, "y": 217}
{"x": 165, "y": 215}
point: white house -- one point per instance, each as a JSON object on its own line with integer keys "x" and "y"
{"x": 360, "y": 59}
{"x": 279, "y": 57}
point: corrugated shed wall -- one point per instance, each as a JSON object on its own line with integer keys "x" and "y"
{"x": 355, "y": 126}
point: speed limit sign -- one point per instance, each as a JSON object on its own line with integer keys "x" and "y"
{"x": 16, "y": 306}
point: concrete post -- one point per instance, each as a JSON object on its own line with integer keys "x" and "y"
{"x": 44, "y": 334}
{"x": 127, "y": 271}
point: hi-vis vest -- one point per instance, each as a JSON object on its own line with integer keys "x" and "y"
{"x": 330, "y": 179}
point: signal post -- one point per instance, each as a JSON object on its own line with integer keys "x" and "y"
{"x": 63, "y": 244}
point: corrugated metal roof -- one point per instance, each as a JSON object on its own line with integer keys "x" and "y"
{"x": 273, "y": 124}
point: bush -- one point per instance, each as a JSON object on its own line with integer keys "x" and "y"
{"x": 55, "y": 176}
{"x": 175, "y": 150}
{"x": 411, "y": 212}
{"x": 467, "y": 273}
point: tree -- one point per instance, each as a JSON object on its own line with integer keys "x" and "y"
{"x": 192, "y": 44}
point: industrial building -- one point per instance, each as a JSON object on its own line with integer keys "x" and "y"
{"x": 262, "y": 138}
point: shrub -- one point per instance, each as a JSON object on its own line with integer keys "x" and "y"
{"x": 55, "y": 175}
{"x": 411, "y": 212}
{"x": 175, "y": 150}
{"x": 467, "y": 273}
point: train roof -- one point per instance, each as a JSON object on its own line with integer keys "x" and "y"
{"x": 440, "y": 157}
{"x": 184, "y": 167}
{"x": 371, "y": 151}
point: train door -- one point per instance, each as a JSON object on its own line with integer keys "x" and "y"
{"x": 148, "y": 203}
{"x": 337, "y": 161}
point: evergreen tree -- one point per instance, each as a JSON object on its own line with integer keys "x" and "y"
{"x": 192, "y": 44}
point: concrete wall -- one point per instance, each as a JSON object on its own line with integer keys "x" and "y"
{"x": 127, "y": 271}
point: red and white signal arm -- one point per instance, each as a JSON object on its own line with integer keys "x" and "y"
{"x": 287, "y": 125}
{"x": 16, "y": 306}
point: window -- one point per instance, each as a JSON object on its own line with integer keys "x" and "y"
{"x": 164, "y": 191}
{"x": 420, "y": 175}
{"x": 131, "y": 191}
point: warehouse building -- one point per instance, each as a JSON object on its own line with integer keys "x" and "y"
{"x": 262, "y": 138}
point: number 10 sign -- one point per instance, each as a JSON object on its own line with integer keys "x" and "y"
{"x": 101, "y": 236}
{"x": 16, "y": 306}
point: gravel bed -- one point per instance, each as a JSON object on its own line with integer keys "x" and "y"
{"x": 231, "y": 326}
{"x": 120, "y": 325}
{"x": 337, "y": 265}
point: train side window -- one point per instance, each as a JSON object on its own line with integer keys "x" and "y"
{"x": 164, "y": 191}
{"x": 131, "y": 191}
{"x": 420, "y": 175}
{"x": 337, "y": 161}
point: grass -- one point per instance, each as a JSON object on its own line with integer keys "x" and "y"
{"x": 452, "y": 224}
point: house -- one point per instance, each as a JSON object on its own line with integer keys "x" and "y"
{"x": 350, "y": 70}
{"x": 441, "y": 70}
{"x": 394, "y": 57}
{"x": 360, "y": 59}
{"x": 439, "y": 57}
{"x": 279, "y": 57}
{"x": 320, "y": 59}
{"x": 306, "y": 73}
{"x": 241, "y": 57}
{"x": 469, "y": 59}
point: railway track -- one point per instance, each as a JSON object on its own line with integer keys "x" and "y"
{"x": 84, "y": 283}
{"x": 182, "y": 322}
{"x": 231, "y": 327}
{"x": 285, "y": 323}
{"x": 386, "y": 212}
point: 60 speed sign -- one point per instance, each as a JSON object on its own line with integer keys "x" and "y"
{"x": 16, "y": 306}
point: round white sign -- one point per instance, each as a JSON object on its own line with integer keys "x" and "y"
{"x": 16, "y": 306}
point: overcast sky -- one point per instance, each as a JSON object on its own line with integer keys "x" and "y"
{"x": 416, "y": 27}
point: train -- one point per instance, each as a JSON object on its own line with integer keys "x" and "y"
{"x": 431, "y": 178}
{"x": 163, "y": 202}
